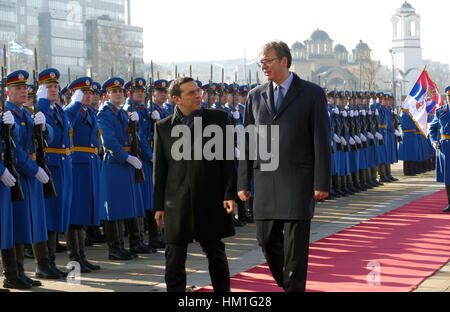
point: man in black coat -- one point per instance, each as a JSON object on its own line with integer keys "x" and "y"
{"x": 194, "y": 197}
{"x": 285, "y": 194}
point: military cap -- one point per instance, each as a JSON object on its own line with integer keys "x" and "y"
{"x": 226, "y": 88}
{"x": 243, "y": 89}
{"x": 340, "y": 95}
{"x": 139, "y": 83}
{"x": 30, "y": 90}
{"x": 161, "y": 85}
{"x": 199, "y": 84}
{"x": 83, "y": 83}
{"x": 331, "y": 93}
{"x": 17, "y": 78}
{"x": 49, "y": 75}
{"x": 215, "y": 87}
{"x": 96, "y": 87}
{"x": 379, "y": 94}
{"x": 447, "y": 90}
{"x": 113, "y": 83}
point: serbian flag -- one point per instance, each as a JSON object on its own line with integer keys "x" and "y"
{"x": 423, "y": 99}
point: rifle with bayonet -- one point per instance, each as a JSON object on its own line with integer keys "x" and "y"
{"x": 8, "y": 155}
{"x": 68, "y": 94}
{"x": 210, "y": 90}
{"x": 150, "y": 96}
{"x": 377, "y": 124}
{"x": 221, "y": 89}
{"x": 133, "y": 132}
{"x": 39, "y": 143}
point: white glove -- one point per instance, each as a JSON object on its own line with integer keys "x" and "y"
{"x": 363, "y": 112}
{"x": 236, "y": 115}
{"x": 39, "y": 119}
{"x": 436, "y": 145}
{"x": 370, "y": 136}
{"x": 356, "y": 113}
{"x": 377, "y": 113}
{"x": 395, "y": 112}
{"x": 42, "y": 176}
{"x": 343, "y": 141}
{"x": 370, "y": 113}
{"x": 357, "y": 139}
{"x": 336, "y": 111}
{"x": 8, "y": 179}
{"x": 135, "y": 162}
{"x": 378, "y": 136}
{"x": 42, "y": 92}
{"x": 77, "y": 96}
{"x": 352, "y": 142}
{"x": 155, "y": 115}
{"x": 336, "y": 138}
{"x": 133, "y": 116}
{"x": 8, "y": 118}
{"x": 352, "y": 114}
{"x": 237, "y": 152}
{"x": 397, "y": 133}
{"x": 344, "y": 113}
{"x": 363, "y": 138}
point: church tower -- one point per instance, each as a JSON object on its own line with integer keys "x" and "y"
{"x": 406, "y": 49}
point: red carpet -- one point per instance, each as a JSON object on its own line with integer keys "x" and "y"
{"x": 394, "y": 252}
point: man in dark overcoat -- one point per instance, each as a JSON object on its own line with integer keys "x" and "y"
{"x": 194, "y": 194}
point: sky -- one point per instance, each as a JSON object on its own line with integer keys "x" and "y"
{"x": 206, "y": 30}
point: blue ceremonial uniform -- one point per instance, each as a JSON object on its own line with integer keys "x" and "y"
{"x": 163, "y": 113}
{"x": 145, "y": 152}
{"x": 440, "y": 126}
{"x": 122, "y": 196}
{"x": 29, "y": 215}
{"x": 59, "y": 162}
{"x": 168, "y": 107}
{"x": 86, "y": 201}
{"x": 408, "y": 148}
{"x": 6, "y": 207}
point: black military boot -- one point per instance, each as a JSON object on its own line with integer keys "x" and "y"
{"x": 28, "y": 251}
{"x": 43, "y": 269}
{"x": 82, "y": 248}
{"x": 20, "y": 257}
{"x": 155, "y": 239}
{"x": 447, "y": 189}
{"x": 357, "y": 182}
{"x": 73, "y": 246}
{"x": 134, "y": 237}
{"x": 11, "y": 279}
{"x": 334, "y": 187}
{"x": 338, "y": 186}
{"x": 382, "y": 174}
{"x": 51, "y": 245}
{"x": 365, "y": 178}
{"x": 389, "y": 173}
{"x": 350, "y": 184}
{"x": 344, "y": 186}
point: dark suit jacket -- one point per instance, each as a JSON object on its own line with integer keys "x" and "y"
{"x": 191, "y": 192}
{"x": 304, "y": 150}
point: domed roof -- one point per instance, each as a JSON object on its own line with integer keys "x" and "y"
{"x": 340, "y": 48}
{"x": 319, "y": 35}
{"x": 406, "y": 5}
{"x": 362, "y": 46}
{"x": 297, "y": 46}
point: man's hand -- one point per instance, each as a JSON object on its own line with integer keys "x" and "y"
{"x": 230, "y": 206}
{"x": 244, "y": 195}
{"x": 318, "y": 195}
{"x": 159, "y": 217}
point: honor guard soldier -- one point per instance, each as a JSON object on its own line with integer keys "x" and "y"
{"x": 161, "y": 94}
{"x": 135, "y": 226}
{"x": 209, "y": 95}
{"x": 59, "y": 160}
{"x": 200, "y": 86}
{"x": 242, "y": 99}
{"x": 29, "y": 215}
{"x": 86, "y": 201}
{"x": 440, "y": 138}
{"x": 122, "y": 196}
{"x": 7, "y": 181}
{"x": 96, "y": 90}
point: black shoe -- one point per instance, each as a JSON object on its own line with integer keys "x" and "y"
{"x": 132, "y": 254}
{"x": 156, "y": 242}
{"x": 91, "y": 266}
{"x": 447, "y": 209}
{"x": 392, "y": 178}
{"x": 46, "y": 273}
{"x": 118, "y": 255}
{"x": 139, "y": 249}
{"x": 28, "y": 280}
{"x": 16, "y": 284}
{"x": 58, "y": 271}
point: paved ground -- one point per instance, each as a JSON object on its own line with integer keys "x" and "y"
{"x": 146, "y": 274}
